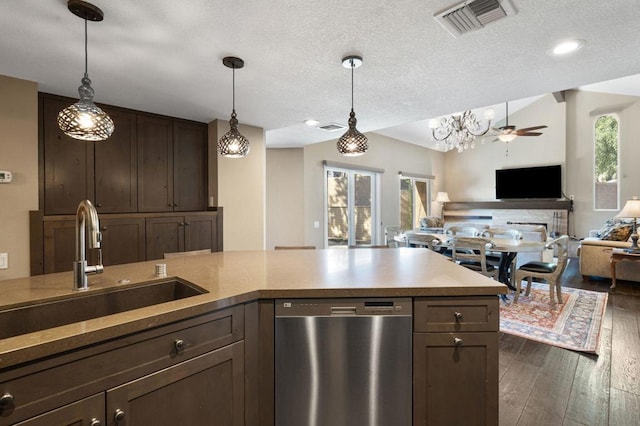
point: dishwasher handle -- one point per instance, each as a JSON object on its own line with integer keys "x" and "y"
{"x": 342, "y": 311}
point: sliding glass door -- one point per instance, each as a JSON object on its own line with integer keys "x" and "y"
{"x": 351, "y": 207}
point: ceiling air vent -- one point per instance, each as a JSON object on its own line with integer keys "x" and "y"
{"x": 331, "y": 127}
{"x": 472, "y": 15}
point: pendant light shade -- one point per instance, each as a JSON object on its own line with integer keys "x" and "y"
{"x": 232, "y": 144}
{"x": 84, "y": 120}
{"x": 352, "y": 143}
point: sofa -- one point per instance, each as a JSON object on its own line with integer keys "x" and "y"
{"x": 595, "y": 250}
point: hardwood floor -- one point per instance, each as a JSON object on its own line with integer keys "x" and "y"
{"x": 546, "y": 385}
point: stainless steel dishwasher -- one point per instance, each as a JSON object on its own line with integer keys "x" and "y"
{"x": 343, "y": 362}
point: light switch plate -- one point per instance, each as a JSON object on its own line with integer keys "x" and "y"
{"x": 4, "y": 260}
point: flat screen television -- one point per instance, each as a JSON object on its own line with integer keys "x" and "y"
{"x": 544, "y": 182}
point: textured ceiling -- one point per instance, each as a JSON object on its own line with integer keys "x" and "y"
{"x": 165, "y": 56}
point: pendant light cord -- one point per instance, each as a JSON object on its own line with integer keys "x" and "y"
{"x": 86, "y": 60}
{"x": 233, "y": 79}
{"x": 352, "y": 84}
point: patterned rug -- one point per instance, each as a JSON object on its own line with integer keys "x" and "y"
{"x": 574, "y": 325}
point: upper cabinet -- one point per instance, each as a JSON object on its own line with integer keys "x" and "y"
{"x": 172, "y": 165}
{"x": 151, "y": 163}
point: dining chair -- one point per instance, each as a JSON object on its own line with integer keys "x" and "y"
{"x": 467, "y": 231}
{"x": 495, "y": 257}
{"x": 390, "y": 234}
{"x": 470, "y": 252}
{"x": 547, "y": 271}
{"x": 430, "y": 241}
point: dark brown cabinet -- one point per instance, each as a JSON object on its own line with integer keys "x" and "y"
{"x": 170, "y": 234}
{"x": 88, "y": 411}
{"x": 150, "y": 163}
{"x": 172, "y": 158}
{"x": 126, "y": 238}
{"x": 205, "y": 390}
{"x": 455, "y": 361}
{"x": 141, "y": 379}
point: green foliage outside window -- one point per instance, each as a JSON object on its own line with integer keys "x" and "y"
{"x": 606, "y": 157}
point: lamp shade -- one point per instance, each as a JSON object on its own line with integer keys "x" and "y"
{"x": 442, "y": 197}
{"x": 631, "y": 209}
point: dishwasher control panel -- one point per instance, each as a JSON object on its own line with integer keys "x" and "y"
{"x": 343, "y": 307}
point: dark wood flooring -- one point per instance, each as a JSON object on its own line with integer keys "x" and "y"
{"x": 546, "y": 385}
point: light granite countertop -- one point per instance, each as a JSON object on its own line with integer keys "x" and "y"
{"x": 238, "y": 277}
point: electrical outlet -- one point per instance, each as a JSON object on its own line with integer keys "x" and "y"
{"x": 4, "y": 260}
{"x": 316, "y": 224}
{"x": 571, "y": 197}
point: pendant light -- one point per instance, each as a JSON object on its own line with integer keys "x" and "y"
{"x": 84, "y": 120}
{"x": 232, "y": 144}
{"x": 352, "y": 143}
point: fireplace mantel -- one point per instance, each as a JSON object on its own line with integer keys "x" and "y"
{"x": 511, "y": 205}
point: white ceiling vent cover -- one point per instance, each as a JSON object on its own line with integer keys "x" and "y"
{"x": 472, "y": 15}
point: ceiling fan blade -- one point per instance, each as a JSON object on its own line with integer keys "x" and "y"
{"x": 529, "y": 134}
{"x": 526, "y": 129}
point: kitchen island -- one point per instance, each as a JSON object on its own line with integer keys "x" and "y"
{"x": 116, "y": 361}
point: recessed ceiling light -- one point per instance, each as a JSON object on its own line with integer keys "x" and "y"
{"x": 311, "y": 123}
{"x": 567, "y": 46}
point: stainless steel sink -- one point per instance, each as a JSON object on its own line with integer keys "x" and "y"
{"x": 95, "y": 304}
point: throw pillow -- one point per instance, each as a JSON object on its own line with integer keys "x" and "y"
{"x": 431, "y": 222}
{"x": 620, "y": 231}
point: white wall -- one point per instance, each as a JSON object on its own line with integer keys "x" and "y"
{"x": 241, "y": 189}
{"x": 470, "y": 175}
{"x": 19, "y": 155}
{"x": 285, "y": 197}
{"x": 384, "y": 153}
{"x": 583, "y": 108}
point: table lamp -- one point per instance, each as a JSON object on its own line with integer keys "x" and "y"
{"x": 632, "y": 210}
{"x": 442, "y": 198}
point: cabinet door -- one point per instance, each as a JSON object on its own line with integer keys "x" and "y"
{"x": 189, "y": 165}
{"x": 206, "y": 390}
{"x": 455, "y": 384}
{"x": 115, "y": 165}
{"x": 59, "y": 246}
{"x": 200, "y": 232}
{"x": 68, "y": 162}
{"x": 123, "y": 240}
{"x": 86, "y": 412}
{"x": 155, "y": 164}
{"x": 164, "y": 235}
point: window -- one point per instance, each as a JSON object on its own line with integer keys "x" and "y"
{"x": 351, "y": 201}
{"x": 415, "y": 193}
{"x": 606, "y": 166}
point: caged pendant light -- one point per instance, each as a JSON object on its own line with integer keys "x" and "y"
{"x": 232, "y": 144}
{"x": 84, "y": 120}
{"x": 352, "y": 143}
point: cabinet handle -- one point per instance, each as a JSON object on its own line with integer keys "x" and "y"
{"x": 95, "y": 422}
{"x": 103, "y": 228}
{"x": 187, "y": 224}
{"x": 6, "y": 399}
{"x": 175, "y": 204}
{"x": 457, "y": 341}
{"x": 99, "y": 205}
{"x": 458, "y": 316}
{"x": 179, "y": 345}
{"x": 118, "y": 416}
{"x": 170, "y": 204}
{"x": 181, "y": 223}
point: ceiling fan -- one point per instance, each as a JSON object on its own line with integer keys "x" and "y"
{"x": 508, "y": 133}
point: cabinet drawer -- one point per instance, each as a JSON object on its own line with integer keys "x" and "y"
{"x": 66, "y": 378}
{"x": 446, "y": 314}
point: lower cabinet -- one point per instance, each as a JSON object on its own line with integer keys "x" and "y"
{"x": 186, "y": 373}
{"x": 455, "y": 361}
{"x": 86, "y": 412}
{"x": 205, "y": 390}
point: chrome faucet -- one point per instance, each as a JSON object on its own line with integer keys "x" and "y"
{"x": 86, "y": 213}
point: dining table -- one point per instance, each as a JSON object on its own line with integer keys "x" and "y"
{"x": 507, "y": 247}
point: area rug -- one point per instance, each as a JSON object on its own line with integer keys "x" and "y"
{"x": 575, "y": 324}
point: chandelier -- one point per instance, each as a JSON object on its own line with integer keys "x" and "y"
{"x": 460, "y": 131}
